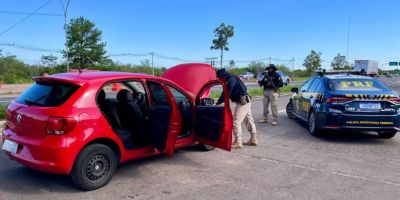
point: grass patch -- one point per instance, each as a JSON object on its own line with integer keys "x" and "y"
{"x": 299, "y": 78}
{"x": 3, "y": 108}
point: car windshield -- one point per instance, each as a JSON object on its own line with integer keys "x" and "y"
{"x": 47, "y": 94}
{"x": 356, "y": 84}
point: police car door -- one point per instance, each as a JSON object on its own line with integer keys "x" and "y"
{"x": 312, "y": 94}
{"x": 304, "y": 98}
{"x": 212, "y": 123}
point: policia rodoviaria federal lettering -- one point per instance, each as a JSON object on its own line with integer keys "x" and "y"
{"x": 238, "y": 94}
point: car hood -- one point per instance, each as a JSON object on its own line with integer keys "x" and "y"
{"x": 191, "y": 76}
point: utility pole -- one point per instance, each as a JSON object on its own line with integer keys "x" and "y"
{"x": 292, "y": 63}
{"x": 152, "y": 59}
{"x": 269, "y": 62}
{"x": 65, "y": 9}
{"x": 348, "y": 37}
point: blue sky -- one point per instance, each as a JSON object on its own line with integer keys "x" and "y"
{"x": 281, "y": 29}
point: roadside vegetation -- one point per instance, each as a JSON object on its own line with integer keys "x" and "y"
{"x": 3, "y": 108}
{"x": 255, "y": 92}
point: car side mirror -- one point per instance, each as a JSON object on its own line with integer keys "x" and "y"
{"x": 294, "y": 90}
{"x": 206, "y": 102}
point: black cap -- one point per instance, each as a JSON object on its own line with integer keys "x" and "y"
{"x": 271, "y": 66}
{"x": 221, "y": 73}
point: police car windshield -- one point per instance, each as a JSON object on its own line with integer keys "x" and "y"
{"x": 356, "y": 84}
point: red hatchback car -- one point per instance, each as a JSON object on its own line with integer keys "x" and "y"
{"x": 85, "y": 124}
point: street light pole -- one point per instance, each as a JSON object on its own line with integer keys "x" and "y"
{"x": 65, "y": 9}
{"x": 152, "y": 59}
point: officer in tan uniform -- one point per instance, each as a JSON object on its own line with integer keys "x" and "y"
{"x": 238, "y": 94}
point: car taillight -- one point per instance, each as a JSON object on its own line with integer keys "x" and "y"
{"x": 394, "y": 100}
{"x": 338, "y": 100}
{"x": 60, "y": 125}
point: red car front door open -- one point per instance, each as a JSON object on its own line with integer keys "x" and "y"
{"x": 212, "y": 123}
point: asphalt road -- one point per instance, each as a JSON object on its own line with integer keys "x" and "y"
{"x": 287, "y": 164}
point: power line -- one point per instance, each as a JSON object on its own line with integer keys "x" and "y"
{"x": 20, "y": 46}
{"x": 9, "y": 12}
{"x": 129, "y": 54}
{"x": 144, "y": 54}
{"x": 25, "y": 18}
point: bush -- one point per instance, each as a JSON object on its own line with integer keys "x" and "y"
{"x": 3, "y": 108}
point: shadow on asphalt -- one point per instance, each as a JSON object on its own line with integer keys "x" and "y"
{"x": 350, "y": 137}
{"x": 16, "y": 178}
{"x": 28, "y": 181}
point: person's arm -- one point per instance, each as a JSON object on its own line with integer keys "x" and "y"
{"x": 278, "y": 80}
{"x": 230, "y": 84}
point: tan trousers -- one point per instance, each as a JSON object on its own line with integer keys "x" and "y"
{"x": 243, "y": 114}
{"x": 271, "y": 97}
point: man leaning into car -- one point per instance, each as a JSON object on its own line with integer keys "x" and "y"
{"x": 238, "y": 94}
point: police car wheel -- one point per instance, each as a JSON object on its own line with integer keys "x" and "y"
{"x": 387, "y": 135}
{"x": 289, "y": 110}
{"x": 312, "y": 125}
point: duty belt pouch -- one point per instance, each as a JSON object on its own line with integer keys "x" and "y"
{"x": 244, "y": 99}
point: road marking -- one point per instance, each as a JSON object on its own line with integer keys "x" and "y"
{"x": 321, "y": 170}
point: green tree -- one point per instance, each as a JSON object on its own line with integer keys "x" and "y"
{"x": 231, "y": 64}
{"x": 220, "y": 41}
{"x": 284, "y": 69}
{"x": 340, "y": 63}
{"x": 49, "y": 60}
{"x": 84, "y": 44}
{"x": 256, "y": 67}
{"x": 312, "y": 62}
{"x": 145, "y": 63}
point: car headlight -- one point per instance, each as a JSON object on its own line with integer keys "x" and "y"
{"x": 332, "y": 110}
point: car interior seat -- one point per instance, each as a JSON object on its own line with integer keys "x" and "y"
{"x": 109, "y": 109}
{"x": 132, "y": 119}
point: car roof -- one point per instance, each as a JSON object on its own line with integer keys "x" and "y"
{"x": 347, "y": 76}
{"x": 80, "y": 78}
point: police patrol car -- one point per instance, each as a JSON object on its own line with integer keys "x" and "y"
{"x": 346, "y": 101}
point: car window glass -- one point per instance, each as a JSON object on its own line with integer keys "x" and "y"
{"x": 158, "y": 94}
{"x": 356, "y": 84}
{"x": 321, "y": 86}
{"x": 178, "y": 95}
{"x": 314, "y": 85}
{"x": 112, "y": 89}
{"x": 306, "y": 85}
{"x": 47, "y": 94}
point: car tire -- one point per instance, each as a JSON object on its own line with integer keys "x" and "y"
{"x": 287, "y": 82}
{"x": 312, "y": 124}
{"x": 387, "y": 134}
{"x": 290, "y": 110}
{"x": 206, "y": 147}
{"x": 94, "y": 167}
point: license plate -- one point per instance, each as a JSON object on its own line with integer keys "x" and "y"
{"x": 370, "y": 106}
{"x": 10, "y": 146}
